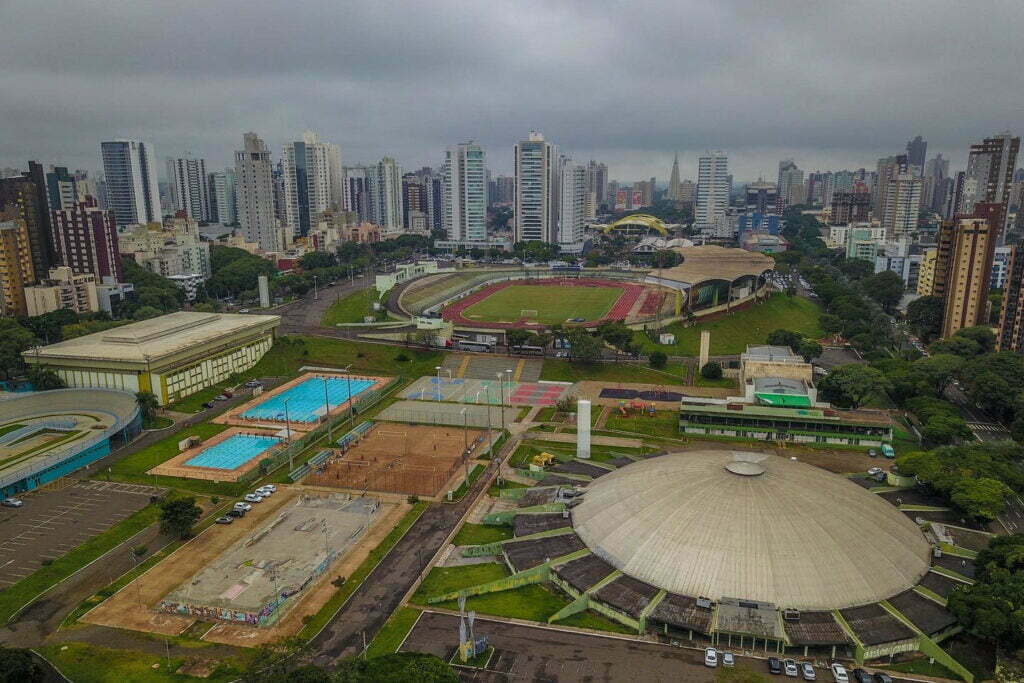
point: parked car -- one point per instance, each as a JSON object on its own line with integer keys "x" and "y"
{"x": 265, "y": 493}
{"x": 728, "y": 659}
{"x": 790, "y": 668}
{"x": 252, "y": 384}
{"x": 226, "y": 519}
{"x": 253, "y": 498}
{"x": 13, "y": 502}
{"x": 883, "y": 678}
{"x": 236, "y": 512}
{"x": 711, "y": 657}
{"x": 862, "y": 676}
{"x": 872, "y": 453}
{"x": 774, "y": 665}
{"x": 243, "y": 506}
{"x": 270, "y": 487}
{"x": 807, "y": 671}
{"x": 243, "y": 310}
{"x": 874, "y": 470}
{"x": 220, "y": 397}
{"x": 208, "y": 404}
{"x": 839, "y": 673}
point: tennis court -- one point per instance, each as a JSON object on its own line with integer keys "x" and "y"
{"x": 309, "y": 400}
{"x": 485, "y": 391}
{"x": 233, "y": 452}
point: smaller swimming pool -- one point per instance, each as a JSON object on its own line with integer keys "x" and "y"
{"x": 233, "y": 452}
{"x": 306, "y": 401}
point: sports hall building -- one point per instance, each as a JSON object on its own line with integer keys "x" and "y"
{"x": 172, "y": 356}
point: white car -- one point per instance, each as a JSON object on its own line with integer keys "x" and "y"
{"x": 807, "y": 671}
{"x": 875, "y": 470}
{"x": 839, "y": 673}
{"x": 243, "y": 506}
{"x": 728, "y": 660}
{"x": 270, "y": 487}
{"x": 266, "y": 493}
{"x": 253, "y": 498}
{"x": 790, "y": 668}
{"x": 711, "y": 657}
{"x": 12, "y": 503}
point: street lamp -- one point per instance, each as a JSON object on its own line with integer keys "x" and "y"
{"x": 490, "y": 439}
{"x": 316, "y": 295}
{"x": 465, "y": 444}
{"x": 287, "y": 422}
{"x": 327, "y": 411}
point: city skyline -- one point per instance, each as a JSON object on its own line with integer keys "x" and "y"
{"x": 194, "y": 90}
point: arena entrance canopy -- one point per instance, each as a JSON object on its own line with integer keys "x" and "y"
{"x": 637, "y": 222}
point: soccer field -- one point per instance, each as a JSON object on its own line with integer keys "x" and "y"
{"x": 553, "y": 303}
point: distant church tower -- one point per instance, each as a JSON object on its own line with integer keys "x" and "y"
{"x": 674, "y": 193}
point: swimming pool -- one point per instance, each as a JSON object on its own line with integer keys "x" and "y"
{"x": 306, "y": 399}
{"x": 233, "y": 452}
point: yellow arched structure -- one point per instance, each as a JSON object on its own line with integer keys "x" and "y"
{"x": 637, "y": 219}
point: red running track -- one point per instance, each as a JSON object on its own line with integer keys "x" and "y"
{"x": 618, "y": 311}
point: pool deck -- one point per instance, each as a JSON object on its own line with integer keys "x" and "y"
{"x": 234, "y": 416}
{"x": 176, "y": 467}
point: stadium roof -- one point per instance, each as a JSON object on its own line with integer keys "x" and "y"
{"x": 710, "y": 262}
{"x": 795, "y": 536}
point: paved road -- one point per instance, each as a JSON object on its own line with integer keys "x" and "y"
{"x": 303, "y": 315}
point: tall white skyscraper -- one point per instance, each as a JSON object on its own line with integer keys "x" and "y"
{"x": 537, "y": 190}
{"x": 189, "y": 189}
{"x": 464, "y": 198}
{"x": 254, "y": 192}
{"x": 132, "y": 191}
{"x": 712, "y": 189}
{"x": 902, "y": 206}
{"x": 311, "y": 173}
{"x": 384, "y": 181}
{"x": 791, "y": 184}
{"x": 222, "y": 196}
{"x": 572, "y": 206}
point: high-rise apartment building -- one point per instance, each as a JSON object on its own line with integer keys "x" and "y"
{"x": 850, "y": 207}
{"x": 414, "y": 201}
{"x": 989, "y": 173}
{"x": 85, "y": 240}
{"x": 926, "y": 273}
{"x": 712, "y": 189}
{"x": 506, "y": 189}
{"x": 1011, "y": 317}
{"x": 61, "y": 190}
{"x": 464, "y": 201}
{"x": 790, "y": 185}
{"x": 597, "y": 181}
{"x": 917, "y": 150}
{"x": 16, "y": 269}
{"x": 356, "y": 192}
{"x": 254, "y": 192}
{"x": 888, "y": 168}
{"x": 688, "y": 192}
{"x": 384, "y": 186}
{"x": 63, "y": 289}
{"x": 312, "y": 181}
{"x": 537, "y": 189}
{"x": 189, "y": 188}
{"x": 20, "y": 197}
{"x": 962, "y": 271}
{"x": 222, "y": 197}
{"x": 902, "y": 206}
{"x": 129, "y": 167}
{"x": 761, "y": 197}
{"x": 572, "y": 207}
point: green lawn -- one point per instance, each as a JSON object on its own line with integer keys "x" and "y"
{"x": 464, "y": 486}
{"x": 443, "y": 580}
{"x": 351, "y": 309}
{"x": 665, "y": 423}
{"x": 554, "y": 304}
{"x": 134, "y": 467}
{"x": 393, "y": 632}
{"x": 732, "y": 333}
{"x": 721, "y": 382}
{"x": 10, "y": 428}
{"x": 557, "y": 370}
{"x": 14, "y": 597}
{"x": 495, "y": 490}
{"x": 923, "y": 668}
{"x": 479, "y": 534}
{"x": 84, "y": 663}
{"x": 341, "y": 596}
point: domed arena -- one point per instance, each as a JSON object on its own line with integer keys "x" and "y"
{"x": 753, "y": 526}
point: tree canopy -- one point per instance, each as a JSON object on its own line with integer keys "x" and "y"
{"x": 993, "y": 608}
{"x": 178, "y": 515}
{"x": 850, "y": 386}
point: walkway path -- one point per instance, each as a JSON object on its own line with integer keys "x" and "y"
{"x": 595, "y": 440}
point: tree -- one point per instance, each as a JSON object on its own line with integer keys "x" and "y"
{"x": 317, "y": 259}
{"x": 956, "y": 345}
{"x": 148, "y": 404}
{"x": 177, "y": 516}
{"x": 13, "y": 340}
{"x": 711, "y": 370}
{"x": 980, "y": 334}
{"x": 44, "y": 379}
{"x": 981, "y": 498}
{"x": 886, "y": 288}
{"x": 993, "y": 608}
{"x": 517, "y": 337}
{"x": 809, "y": 349}
{"x": 657, "y": 359}
{"x": 399, "y": 667}
{"x": 924, "y": 316}
{"x": 785, "y": 338}
{"x": 617, "y": 335}
{"x": 19, "y": 666}
{"x": 146, "y": 312}
{"x": 584, "y": 347}
{"x": 852, "y": 385}
{"x": 938, "y": 370}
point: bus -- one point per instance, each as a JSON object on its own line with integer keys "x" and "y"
{"x": 527, "y": 350}
{"x": 480, "y": 346}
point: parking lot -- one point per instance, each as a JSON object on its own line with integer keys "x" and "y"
{"x": 52, "y": 522}
{"x": 530, "y": 653}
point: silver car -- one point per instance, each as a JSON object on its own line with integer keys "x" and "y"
{"x": 807, "y": 671}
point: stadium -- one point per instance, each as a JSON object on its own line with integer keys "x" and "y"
{"x": 710, "y": 279}
{"x": 729, "y": 548}
{"x": 47, "y": 435}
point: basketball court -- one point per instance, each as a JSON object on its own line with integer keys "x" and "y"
{"x": 402, "y": 458}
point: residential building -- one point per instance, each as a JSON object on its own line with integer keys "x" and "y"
{"x": 384, "y": 188}
{"x": 572, "y": 207}
{"x": 536, "y": 204}
{"x": 712, "y": 189}
{"x": 189, "y": 282}
{"x": 762, "y": 197}
{"x": 790, "y": 185}
{"x": 414, "y": 202}
{"x": 917, "y": 150}
{"x": 754, "y": 221}
{"x": 597, "y": 182}
{"x": 506, "y": 189}
{"x": 988, "y": 177}
{"x": 962, "y": 272}
{"x": 902, "y": 206}
{"x": 61, "y": 190}
{"x": 129, "y": 167}
{"x": 1010, "y": 336}
{"x": 888, "y": 168}
{"x": 355, "y": 191}
{"x": 862, "y": 242}
{"x": 463, "y": 200}
{"x": 254, "y": 192}
{"x": 16, "y": 265}
{"x": 850, "y": 206}
{"x": 189, "y": 188}
{"x": 222, "y": 197}
{"x": 1000, "y": 267}
{"x": 63, "y": 289}
{"x": 20, "y": 197}
{"x": 688, "y": 192}
{"x": 896, "y": 257}
{"x": 174, "y": 248}
{"x": 926, "y": 272}
{"x": 85, "y": 240}
{"x": 674, "y": 193}
{"x": 312, "y": 181}
{"x": 112, "y": 293}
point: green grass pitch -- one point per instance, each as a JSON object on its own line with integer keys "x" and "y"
{"x": 553, "y": 303}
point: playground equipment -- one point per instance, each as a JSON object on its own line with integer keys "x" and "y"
{"x": 541, "y": 461}
{"x": 641, "y": 407}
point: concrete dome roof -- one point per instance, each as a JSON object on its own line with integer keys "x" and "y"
{"x": 795, "y": 535}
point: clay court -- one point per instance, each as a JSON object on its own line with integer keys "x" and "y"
{"x": 401, "y": 458}
{"x": 437, "y": 413}
{"x": 187, "y": 463}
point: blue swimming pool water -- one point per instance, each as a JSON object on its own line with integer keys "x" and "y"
{"x": 233, "y": 452}
{"x": 306, "y": 399}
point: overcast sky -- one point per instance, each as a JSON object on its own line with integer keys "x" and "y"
{"x": 831, "y": 84}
